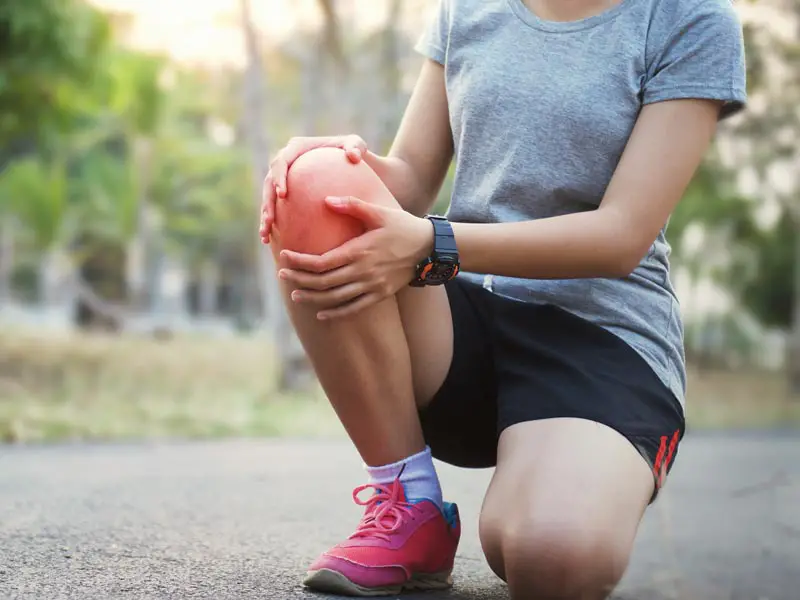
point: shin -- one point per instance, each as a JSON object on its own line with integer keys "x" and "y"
{"x": 363, "y": 362}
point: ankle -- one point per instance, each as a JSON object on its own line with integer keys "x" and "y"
{"x": 417, "y": 473}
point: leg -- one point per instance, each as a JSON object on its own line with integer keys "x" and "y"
{"x": 560, "y": 516}
{"x": 587, "y": 433}
{"x": 374, "y": 368}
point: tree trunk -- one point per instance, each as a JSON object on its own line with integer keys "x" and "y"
{"x": 390, "y": 69}
{"x": 56, "y": 274}
{"x": 793, "y": 362}
{"x": 6, "y": 258}
{"x": 793, "y": 346}
{"x": 290, "y": 362}
{"x": 169, "y": 291}
{"x": 138, "y": 271}
{"x": 208, "y": 284}
{"x": 310, "y": 78}
{"x": 336, "y": 88}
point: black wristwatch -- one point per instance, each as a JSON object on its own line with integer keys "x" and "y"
{"x": 442, "y": 265}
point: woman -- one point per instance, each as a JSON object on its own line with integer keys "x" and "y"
{"x": 556, "y": 354}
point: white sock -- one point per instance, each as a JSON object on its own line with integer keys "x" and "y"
{"x": 419, "y": 477}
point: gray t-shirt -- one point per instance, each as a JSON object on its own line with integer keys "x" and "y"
{"x": 541, "y": 112}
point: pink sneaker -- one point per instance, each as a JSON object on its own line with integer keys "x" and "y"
{"x": 398, "y": 546}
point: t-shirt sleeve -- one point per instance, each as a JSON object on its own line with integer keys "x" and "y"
{"x": 433, "y": 41}
{"x": 700, "y": 56}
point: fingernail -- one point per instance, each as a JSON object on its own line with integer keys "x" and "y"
{"x": 297, "y": 296}
{"x": 282, "y": 274}
{"x": 334, "y": 200}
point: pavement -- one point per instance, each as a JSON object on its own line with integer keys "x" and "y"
{"x": 242, "y": 519}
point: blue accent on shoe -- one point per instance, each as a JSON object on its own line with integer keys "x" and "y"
{"x": 450, "y": 512}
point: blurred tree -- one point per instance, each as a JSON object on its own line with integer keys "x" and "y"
{"x": 48, "y": 51}
{"x": 337, "y": 84}
{"x": 772, "y": 131}
{"x": 136, "y": 101}
{"x": 752, "y": 258}
{"x": 38, "y": 195}
{"x": 292, "y": 364}
{"x": 770, "y": 292}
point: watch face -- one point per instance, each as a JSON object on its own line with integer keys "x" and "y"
{"x": 441, "y": 272}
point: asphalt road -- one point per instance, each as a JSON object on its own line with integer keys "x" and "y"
{"x": 241, "y": 520}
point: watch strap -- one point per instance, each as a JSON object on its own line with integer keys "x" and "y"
{"x": 444, "y": 240}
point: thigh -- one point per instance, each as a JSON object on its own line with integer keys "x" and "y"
{"x": 459, "y": 408}
{"x": 552, "y": 364}
{"x": 428, "y": 326}
{"x": 574, "y": 472}
{"x": 567, "y": 497}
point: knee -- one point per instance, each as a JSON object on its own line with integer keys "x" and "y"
{"x": 556, "y": 559}
{"x": 303, "y": 222}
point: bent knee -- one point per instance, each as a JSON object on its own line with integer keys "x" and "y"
{"x": 552, "y": 559}
{"x": 303, "y": 222}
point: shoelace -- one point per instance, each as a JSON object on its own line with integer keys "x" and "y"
{"x": 385, "y": 511}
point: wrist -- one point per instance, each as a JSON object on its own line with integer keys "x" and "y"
{"x": 424, "y": 240}
{"x": 439, "y": 263}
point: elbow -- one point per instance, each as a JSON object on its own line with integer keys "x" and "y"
{"x": 628, "y": 243}
{"x": 621, "y": 268}
{"x": 625, "y": 260}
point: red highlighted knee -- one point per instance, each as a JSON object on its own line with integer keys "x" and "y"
{"x": 303, "y": 222}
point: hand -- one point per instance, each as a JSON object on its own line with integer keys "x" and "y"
{"x": 275, "y": 183}
{"x": 364, "y": 270}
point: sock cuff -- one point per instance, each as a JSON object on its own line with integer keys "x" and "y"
{"x": 392, "y": 468}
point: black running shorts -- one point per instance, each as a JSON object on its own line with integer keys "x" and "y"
{"x": 515, "y": 362}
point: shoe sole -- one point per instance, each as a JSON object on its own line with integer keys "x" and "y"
{"x": 333, "y": 582}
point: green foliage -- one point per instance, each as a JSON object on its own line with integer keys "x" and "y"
{"x": 36, "y": 193}
{"x": 48, "y": 53}
{"x": 103, "y": 192}
{"x": 135, "y": 91}
{"x": 770, "y": 293}
{"x": 128, "y": 140}
{"x": 202, "y": 192}
{"x": 709, "y": 201}
{"x": 109, "y": 135}
{"x": 754, "y": 262}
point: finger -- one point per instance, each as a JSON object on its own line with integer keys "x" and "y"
{"x": 355, "y": 148}
{"x": 329, "y": 298}
{"x": 267, "y": 207}
{"x": 304, "y": 280}
{"x": 265, "y": 234}
{"x": 333, "y": 259}
{"x": 278, "y": 168}
{"x": 371, "y": 215}
{"x": 349, "y": 309}
{"x": 267, "y": 192}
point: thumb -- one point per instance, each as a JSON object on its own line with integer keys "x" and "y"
{"x": 366, "y": 212}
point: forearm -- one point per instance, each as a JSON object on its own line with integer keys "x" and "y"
{"x": 403, "y": 182}
{"x": 592, "y": 244}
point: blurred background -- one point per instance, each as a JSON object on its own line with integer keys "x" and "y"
{"x": 135, "y": 298}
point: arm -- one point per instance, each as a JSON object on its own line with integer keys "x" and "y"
{"x": 663, "y": 153}
{"x": 423, "y": 148}
{"x": 415, "y": 167}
